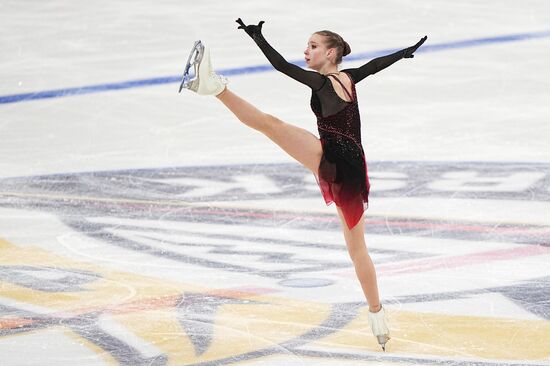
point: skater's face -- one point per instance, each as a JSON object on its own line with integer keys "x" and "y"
{"x": 317, "y": 55}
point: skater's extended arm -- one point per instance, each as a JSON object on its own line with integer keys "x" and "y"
{"x": 312, "y": 79}
{"x": 380, "y": 63}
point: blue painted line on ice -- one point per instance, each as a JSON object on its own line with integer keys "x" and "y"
{"x": 59, "y": 93}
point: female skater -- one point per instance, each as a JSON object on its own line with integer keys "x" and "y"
{"x": 336, "y": 159}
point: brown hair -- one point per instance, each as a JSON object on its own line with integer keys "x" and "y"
{"x": 334, "y": 40}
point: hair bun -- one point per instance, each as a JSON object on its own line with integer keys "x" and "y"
{"x": 347, "y": 49}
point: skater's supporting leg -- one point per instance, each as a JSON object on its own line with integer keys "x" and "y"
{"x": 302, "y": 145}
{"x": 366, "y": 273}
{"x": 364, "y": 268}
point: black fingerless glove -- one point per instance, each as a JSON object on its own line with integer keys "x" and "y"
{"x": 251, "y": 30}
{"x": 408, "y": 52}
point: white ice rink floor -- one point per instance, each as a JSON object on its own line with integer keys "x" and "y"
{"x": 139, "y": 226}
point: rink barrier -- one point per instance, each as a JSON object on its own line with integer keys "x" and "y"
{"x": 99, "y": 88}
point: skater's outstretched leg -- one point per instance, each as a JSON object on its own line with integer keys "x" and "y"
{"x": 366, "y": 273}
{"x": 301, "y": 144}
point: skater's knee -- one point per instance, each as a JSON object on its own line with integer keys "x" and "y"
{"x": 357, "y": 252}
{"x": 354, "y": 255}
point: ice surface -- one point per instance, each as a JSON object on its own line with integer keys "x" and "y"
{"x": 139, "y": 226}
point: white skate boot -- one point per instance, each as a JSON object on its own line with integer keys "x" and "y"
{"x": 379, "y": 327}
{"x": 203, "y": 80}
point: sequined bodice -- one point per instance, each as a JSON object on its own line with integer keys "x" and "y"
{"x": 339, "y": 117}
{"x": 338, "y": 123}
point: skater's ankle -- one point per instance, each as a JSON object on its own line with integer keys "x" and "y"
{"x": 375, "y": 308}
{"x": 220, "y": 94}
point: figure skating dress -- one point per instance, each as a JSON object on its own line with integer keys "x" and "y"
{"x": 343, "y": 174}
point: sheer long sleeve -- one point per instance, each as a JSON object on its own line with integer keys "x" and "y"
{"x": 375, "y": 65}
{"x": 310, "y": 78}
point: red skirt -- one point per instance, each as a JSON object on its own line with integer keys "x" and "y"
{"x": 343, "y": 179}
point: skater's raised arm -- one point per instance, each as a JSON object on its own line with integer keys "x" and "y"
{"x": 380, "y": 63}
{"x": 310, "y": 78}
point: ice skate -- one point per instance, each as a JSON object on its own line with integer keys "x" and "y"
{"x": 201, "y": 78}
{"x": 379, "y": 327}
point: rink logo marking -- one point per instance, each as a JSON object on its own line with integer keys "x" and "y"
{"x": 122, "y": 214}
{"x": 191, "y": 193}
{"x": 99, "y": 88}
{"x": 167, "y": 206}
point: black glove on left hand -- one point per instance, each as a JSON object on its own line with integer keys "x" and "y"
{"x": 410, "y": 50}
{"x": 251, "y": 30}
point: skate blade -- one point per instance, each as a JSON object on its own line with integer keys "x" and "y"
{"x": 195, "y": 57}
{"x": 382, "y": 340}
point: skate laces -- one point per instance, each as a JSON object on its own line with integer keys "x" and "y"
{"x": 214, "y": 75}
{"x": 222, "y": 79}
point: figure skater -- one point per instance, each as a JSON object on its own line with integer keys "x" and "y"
{"x": 336, "y": 158}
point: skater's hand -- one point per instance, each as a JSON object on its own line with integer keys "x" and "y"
{"x": 410, "y": 50}
{"x": 251, "y": 30}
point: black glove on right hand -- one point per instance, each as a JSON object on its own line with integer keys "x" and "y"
{"x": 408, "y": 52}
{"x": 251, "y": 30}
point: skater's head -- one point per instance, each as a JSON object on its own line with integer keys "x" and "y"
{"x": 325, "y": 46}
